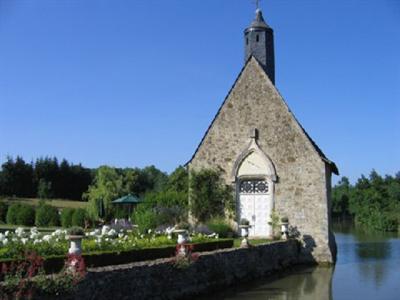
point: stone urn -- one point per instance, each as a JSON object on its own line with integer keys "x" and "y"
{"x": 75, "y": 244}
{"x": 284, "y": 228}
{"x": 244, "y": 230}
{"x": 182, "y": 240}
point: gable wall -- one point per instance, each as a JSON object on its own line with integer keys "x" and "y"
{"x": 301, "y": 191}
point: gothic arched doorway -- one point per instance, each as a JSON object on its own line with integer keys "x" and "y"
{"x": 255, "y": 179}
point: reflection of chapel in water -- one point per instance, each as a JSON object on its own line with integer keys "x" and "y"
{"x": 266, "y": 155}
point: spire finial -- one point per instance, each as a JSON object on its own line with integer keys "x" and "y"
{"x": 257, "y": 3}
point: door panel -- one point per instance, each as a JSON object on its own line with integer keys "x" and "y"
{"x": 247, "y": 210}
{"x": 255, "y": 200}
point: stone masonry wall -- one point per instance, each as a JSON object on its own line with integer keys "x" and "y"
{"x": 159, "y": 279}
{"x": 301, "y": 192}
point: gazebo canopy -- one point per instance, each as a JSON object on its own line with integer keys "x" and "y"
{"x": 128, "y": 199}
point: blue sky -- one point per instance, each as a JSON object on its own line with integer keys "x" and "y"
{"x": 134, "y": 83}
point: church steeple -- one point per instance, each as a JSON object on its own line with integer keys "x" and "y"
{"x": 259, "y": 42}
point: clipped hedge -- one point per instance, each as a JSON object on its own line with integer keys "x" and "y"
{"x": 54, "y": 264}
{"x": 78, "y": 217}
{"x": 47, "y": 215}
{"x": 11, "y": 217}
{"x": 20, "y": 214}
{"x": 66, "y": 217}
{"x": 3, "y": 212}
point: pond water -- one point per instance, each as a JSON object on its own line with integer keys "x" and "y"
{"x": 367, "y": 267}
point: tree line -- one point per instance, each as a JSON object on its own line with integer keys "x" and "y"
{"x": 44, "y": 178}
{"x": 372, "y": 202}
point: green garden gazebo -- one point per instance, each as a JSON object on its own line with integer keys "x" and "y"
{"x": 129, "y": 200}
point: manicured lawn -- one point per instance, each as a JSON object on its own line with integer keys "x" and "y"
{"x": 237, "y": 241}
{"x": 59, "y": 203}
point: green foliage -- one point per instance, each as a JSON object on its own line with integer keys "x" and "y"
{"x": 20, "y": 214}
{"x": 16, "y": 178}
{"x": 66, "y": 217}
{"x": 12, "y": 212}
{"x": 44, "y": 190}
{"x": 209, "y": 196}
{"x": 47, "y": 215}
{"x": 26, "y": 215}
{"x": 108, "y": 185}
{"x": 373, "y": 202}
{"x": 244, "y": 222}
{"x": 146, "y": 218}
{"x": 21, "y": 179}
{"x": 275, "y": 222}
{"x": 221, "y": 227}
{"x": 75, "y": 230}
{"x": 178, "y": 181}
{"x": 112, "y": 183}
{"x": 78, "y": 217}
{"x": 3, "y": 212}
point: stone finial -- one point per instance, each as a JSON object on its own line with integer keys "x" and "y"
{"x": 254, "y": 134}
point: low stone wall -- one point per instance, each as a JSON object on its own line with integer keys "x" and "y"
{"x": 160, "y": 279}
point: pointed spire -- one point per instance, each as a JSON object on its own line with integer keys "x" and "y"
{"x": 259, "y": 42}
{"x": 259, "y": 21}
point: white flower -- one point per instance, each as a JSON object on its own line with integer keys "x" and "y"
{"x": 47, "y": 238}
{"x": 112, "y": 232}
{"x": 34, "y": 230}
{"x": 105, "y": 229}
{"x": 7, "y": 233}
{"x": 34, "y": 235}
{"x": 2, "y": 237}
{"x": 5, "y": 242}
{"x": 24, "y": 240}
{"x": 149, "y": 231}
{"x": 37, "y": 241}
{"x": 120, "y": 235}
{"x": 19, "y": 231}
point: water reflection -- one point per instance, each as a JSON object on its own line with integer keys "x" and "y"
{"x": 303, "y": 283}
{"x": 368, "y": 267}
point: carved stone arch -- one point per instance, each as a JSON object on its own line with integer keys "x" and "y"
{"x": 269, "y": 170}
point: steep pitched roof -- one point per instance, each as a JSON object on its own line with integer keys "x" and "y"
{"x": 333, "y": 166}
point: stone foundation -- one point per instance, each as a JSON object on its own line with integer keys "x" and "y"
{"x": 160, "y": 279}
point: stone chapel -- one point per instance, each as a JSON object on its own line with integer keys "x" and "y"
{"x": 267, "y": 156}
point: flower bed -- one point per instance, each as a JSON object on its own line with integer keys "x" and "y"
{"x": 100, "y": 247}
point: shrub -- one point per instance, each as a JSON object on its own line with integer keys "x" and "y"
{"x": 26, "y": 215}
{"x": 183, "y": 225}
{"x": 76, "y": 230}
{"x": 221, "y": 227}
{"x": 3, "y": 212}
{"x": 66, "y": 217}
{"x": 78, "y": 217}
{"x": 20, "y": 214}
{"x": 145, "y": 217}
{"x": 210, "y": 197}
{"x": 11, "y": 217}
{"x": 47, "y": 215}
{"x": 244, "y": 222}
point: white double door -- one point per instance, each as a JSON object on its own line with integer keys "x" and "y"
{"x": 255, "y": 205}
